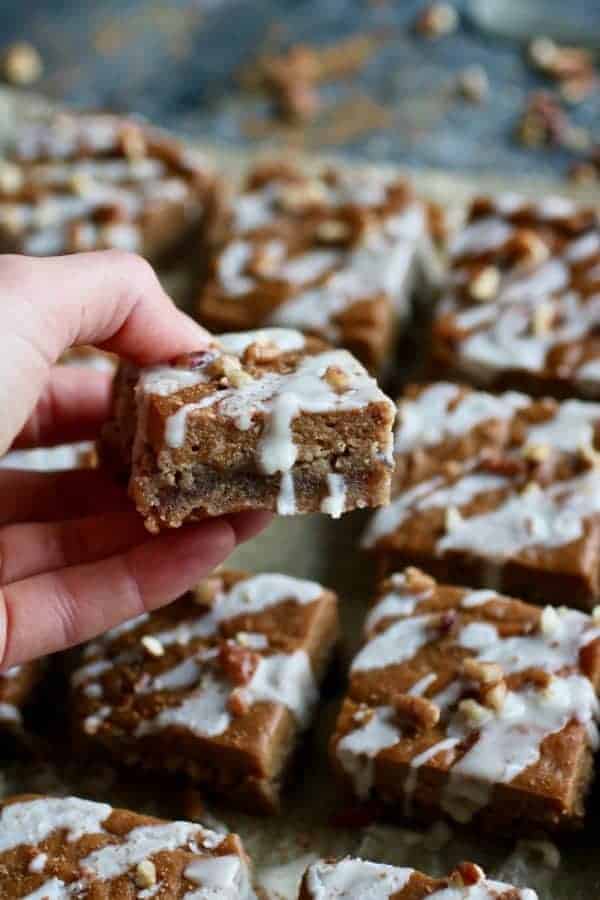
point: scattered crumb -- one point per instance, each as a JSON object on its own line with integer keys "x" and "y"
{"x": 543, "y": 122}
{"x": 473, "y": 83}
{"x": 571, "y": 67}
{"x": 22, "y": 63}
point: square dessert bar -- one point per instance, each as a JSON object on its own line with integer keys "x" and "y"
{"x": 471, "y": 705}
{"x": 265, "y": 419}
{"x": 526, "y": 523}
{"x": 94, "y": 181}
{"x": 59, "y": 847}
{"x": 522, "y": 301}
{"x": 219, "y": 685}
{"x": 354, "y": 878}
{"x": 333, "y": 254}
{"x": 441, "y": 424}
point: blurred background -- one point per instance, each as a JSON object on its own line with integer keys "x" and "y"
{"x": 483, "y": 85}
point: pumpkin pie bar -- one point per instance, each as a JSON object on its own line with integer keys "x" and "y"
{"x": 94, "y": 181}
{"x": 267, "y": 419}
{"x": 219, "y": 685}
{"x": 59, "y": 847}
{"x": 353, "y": 877}
{"x": 445, "y": 423}
{"x": 521, "y": 305}
{"x": 473, "y": 706}
{"x": 334, "y": 254}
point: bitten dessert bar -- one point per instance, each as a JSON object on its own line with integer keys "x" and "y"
{"x": 94, "y": 181}
{"x": 54, "y": 848}
{"x": 471, "y": 705}
{"x": 441, "y": 424}
{"x": 522, "y": 301}
{"x": 333, "y": 254}
{"x": 219, "y": 685}
{"x": 265, "y": 419}
{"x": 354, "y": 878}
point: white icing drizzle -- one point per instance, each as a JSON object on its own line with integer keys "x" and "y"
{"x": 10, "y": 713}
{"x": 286, "y": 500}
{"x": 358, "y": 748}
{"x": 355, "y": 879}
{"x": 399, "y": 642}
{"x": 308, "y": 266}
{"x": 583, "y": 247}
{"x": 571, "y": 428}
{"x": 217, "y": 876}
{"x": 481, "y": 236}
{"x": 286, "y": 339}
{"x": 477, "y": 598}
{"x": 393, "y": 605}
{"x": 44, "y": 459}
{"x": 54, "y": 889}
{"x": 427, "y": 420}
{"x": 549, "y": 517}
{"x": 32, "y": 821}
{"x": 38, "y": 863}
{"x": 334, "y": 503}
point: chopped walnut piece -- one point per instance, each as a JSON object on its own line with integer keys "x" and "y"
{"x": 543, "y": 317}
{"x": 81, "y": 183}
{"x": 483, "y": 672}
{"x": 473, "y": 83}
{"x": 417, "y": 710}
{"x": 467, "y": 874}
{"x": 538, "y": 453}
{"x": 22, "y": 63}
{"x": 417, "y": 580}
{"x": 230, "y": 368}
{"x": 260, "y": 352}
{"x": 473, "y": 711}
{"x": 484, "y": 286}
{"x": 239, "y": 663}
{"x": 145, "y": 874}
{"x": 528, "y": 247}
{"x": 337, "y": 379}
{"x": 495, "y": 696}
{"x": 453, "y": 518}
{"x": 437, "y": 20}
{"x": 133, "y": 143}
{"x": 205, "y": 593}
{"x": 332, "y": 230}
{"x": 152, "y": 645}
{"x": 294, "y": 199}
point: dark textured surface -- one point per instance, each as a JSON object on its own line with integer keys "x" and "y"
{"x": 178, "y": 64}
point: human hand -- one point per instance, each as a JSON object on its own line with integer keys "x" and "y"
{"x": 75, "y": 558}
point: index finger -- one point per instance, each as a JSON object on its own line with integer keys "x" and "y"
{"x": 110, "y": 299}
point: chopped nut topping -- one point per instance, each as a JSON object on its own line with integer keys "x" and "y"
{"x": 537, "y": 452}
{"x": 145, "y": 874}
{"x": 550, "y": 621}
{"x": 495, "y": 696}
{"x": 473, "y": 711}
{"x": 296, "y": 198}
{"x": 332, "y": 230}
{"x": 417, "y": 580}
{"x": 205, "y": 593}
{"x": 543, "y": 317}
{"x": 483, "y": 672}
{"x": 81, "y": 183}
{"x": 260, "y": 352}
{"x": 417, "y": 710}
{"x": 133, "y": 143}
{"x": 230, "y": 368}
{"x": 467, "y": 874}
{"x": 22, "y": 64}
{"x": 11, "y": 177}
{"x": 528, "y": 247}
{"x": 484, "y": 286}
{"x": 152, "y": 645}
{"x": 453, "y": 518}
{"x": 337, "y": 379}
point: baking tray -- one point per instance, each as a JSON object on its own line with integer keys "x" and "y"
{"x": 319, "y": 548}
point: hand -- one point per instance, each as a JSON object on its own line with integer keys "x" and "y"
{"x": 75, "y": 558}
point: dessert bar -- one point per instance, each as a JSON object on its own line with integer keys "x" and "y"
{"x": 521, "y": 307}
{"x": 17, "y": 686}
{"x": 218, "y": 685}
{"x": 334, "y": 254}
{"x": 526, "y": 523}
{"x": 94, "y": 181}
{"x": 353, "y": 878}
{"x": 471, "y": 705}
{"x": 265, "y": 419}
{"x": 60, "y": 847}
{"x": 442, "y": 423}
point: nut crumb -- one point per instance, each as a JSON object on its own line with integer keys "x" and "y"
{"x": 205, "y": 593}
{"x": 145, "y": 874}
{"x": 152, "y": 645}
{"x": 437, "y": 20}
{"x": 484, "y": 286}
{"x": 22, "y": 64}
{"x": 11, "y": 177}
{"x": 332, "y": 230}
{"x": 473, "y": 83}
{"x": 337, "y": 378}
{"x": 495, "y": 696}
{"x": 483, "y": 672}
{"x": 538, "y": 453}
{"x": 473, "y": 711}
